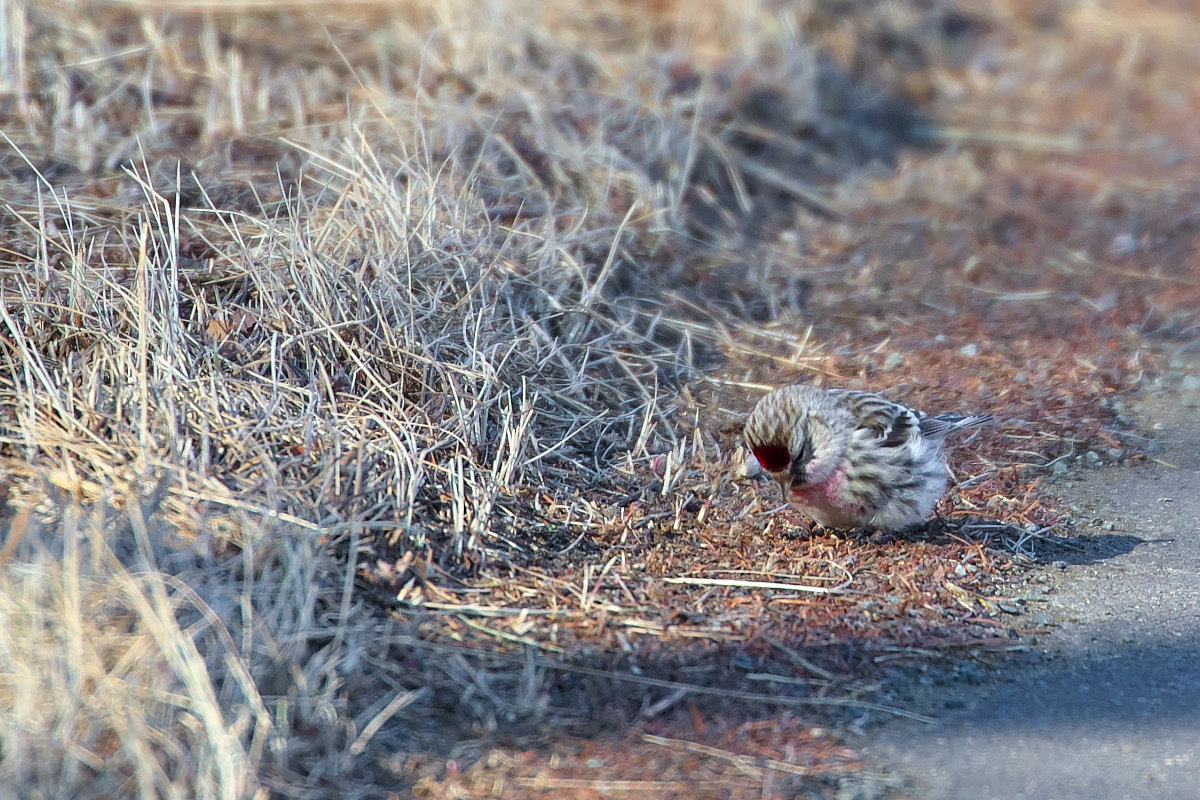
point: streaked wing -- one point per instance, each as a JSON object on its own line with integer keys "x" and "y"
{"x": 891, "y": 423}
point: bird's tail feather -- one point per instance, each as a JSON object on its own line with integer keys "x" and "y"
{"x": 942, "y": 425}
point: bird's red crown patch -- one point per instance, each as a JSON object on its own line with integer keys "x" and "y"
{"x": 773, "y": 457}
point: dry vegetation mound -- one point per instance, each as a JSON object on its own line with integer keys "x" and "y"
{"x": 286, "y": 286}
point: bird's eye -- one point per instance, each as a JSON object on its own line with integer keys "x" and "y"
{"x": 773, "y": 457}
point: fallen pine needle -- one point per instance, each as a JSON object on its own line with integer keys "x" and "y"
{"x": 615, "y": 786}
{"x": 790, "y": 587}
{"x": 754, "y": 767}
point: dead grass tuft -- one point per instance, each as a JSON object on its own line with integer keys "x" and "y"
{"x": 294, "y": 296}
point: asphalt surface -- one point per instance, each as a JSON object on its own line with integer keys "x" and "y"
{"x": 1113, "y": 710}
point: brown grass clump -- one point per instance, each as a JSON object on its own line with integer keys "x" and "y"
{"x": 122, "y": 676}
{"x": 288, "y": 289}
{"x": 372, "y": 374}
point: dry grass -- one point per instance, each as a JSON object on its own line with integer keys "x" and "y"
{"x": 353, "y": 413}
{"x": 287, "y": 287}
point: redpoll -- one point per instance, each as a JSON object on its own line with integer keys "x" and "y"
{"x": 851, "y": 459}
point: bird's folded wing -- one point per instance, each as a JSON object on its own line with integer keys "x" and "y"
{"x": 892, "y": 424}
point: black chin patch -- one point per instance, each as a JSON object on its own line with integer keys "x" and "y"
{"x": 773, "y": 457}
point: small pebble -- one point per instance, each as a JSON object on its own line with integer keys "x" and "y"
{"x": 1059, "y": 564}
{"x": 1123, "y": 244}
{"x": 969, "y": 350}
{"x": 1041, "y": 618}
{"x": 893, "y": 361}
{"x": 750, "y": 467}
{"x": 1190, "y": 383}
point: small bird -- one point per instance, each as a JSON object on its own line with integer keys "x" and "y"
{"x": 852, "y": 459}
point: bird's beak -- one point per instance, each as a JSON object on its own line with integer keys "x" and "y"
{"x": 785, "y": 483}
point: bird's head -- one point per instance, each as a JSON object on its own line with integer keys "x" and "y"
{"x": 793, "y": 434}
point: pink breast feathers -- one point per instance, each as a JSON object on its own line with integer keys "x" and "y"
{"x": 826, "y": 494}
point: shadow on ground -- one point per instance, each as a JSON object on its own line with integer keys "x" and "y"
{"x": 1133, "y": 709}
{"x": 1086, "y": 549}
